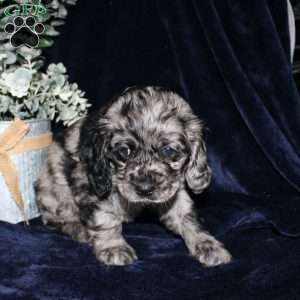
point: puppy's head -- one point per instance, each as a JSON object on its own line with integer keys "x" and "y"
{"x": 146, "y": 145}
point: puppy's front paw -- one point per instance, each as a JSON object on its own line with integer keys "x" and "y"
{"x": 119, "y": 255}
{"x": 211, "y": 252}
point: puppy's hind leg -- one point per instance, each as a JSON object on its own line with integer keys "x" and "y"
{"x": 75, "y": 229}
{"x": 58, "y": 210}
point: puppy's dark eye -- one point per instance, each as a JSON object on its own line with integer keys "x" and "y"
{"x": 122, "y": 152}
{"x": 169, "y": 152}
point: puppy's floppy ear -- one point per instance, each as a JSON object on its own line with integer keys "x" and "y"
{"x": 92, "y": 148}
{"x": 198, "y": 173}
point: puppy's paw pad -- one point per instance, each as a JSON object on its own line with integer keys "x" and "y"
{"x": 212, "y": 253}
{"x": 118, "y": 256}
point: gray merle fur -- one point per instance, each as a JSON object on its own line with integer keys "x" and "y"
{"x": 143, "y": 150}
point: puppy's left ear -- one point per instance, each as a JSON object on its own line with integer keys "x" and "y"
{"x": 92, "y": 148}
{"x": 198, "y": 173}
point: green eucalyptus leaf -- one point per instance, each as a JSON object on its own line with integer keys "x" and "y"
{"x": 62, "y": 12}
{"x": 3, "y": 36}
{"x": 5, "y": 101}
{"x": 17, "y": 82}
{"x": 38, "y": 64}
{"x": 42, "y": 114}
{"x": 11, "y": 58}
{"x": 3, "y": 56}
{"x": 50, "y": 31}
{"x": 44, "y": 18}
{"x": 54, "y": 4}
{"x": 4, "y": 20}
{"x": 15, "y": 109}
{"x": 57, "y": 23}
{"x": 45, "y": 42}
{"x": 56, "y": 69}
{"x": 70, "y": 2}
{"x": 28, "y": 53}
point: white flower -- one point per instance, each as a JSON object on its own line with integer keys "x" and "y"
{"x": 17, "y": 82}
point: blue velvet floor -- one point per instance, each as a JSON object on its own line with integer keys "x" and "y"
{"x": 36, "y": 263}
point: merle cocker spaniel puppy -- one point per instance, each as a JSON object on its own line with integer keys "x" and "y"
{"x": 142, "y": 150}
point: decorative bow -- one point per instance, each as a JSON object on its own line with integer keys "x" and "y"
{"x": 12, "y": 142}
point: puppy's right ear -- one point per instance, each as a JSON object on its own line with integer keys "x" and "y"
{"x": 92, "y": 151}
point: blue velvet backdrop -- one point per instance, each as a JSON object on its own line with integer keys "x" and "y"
{"x": 230, "y": 60}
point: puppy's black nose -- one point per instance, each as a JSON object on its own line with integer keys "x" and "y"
{"x": 144, "y": 185}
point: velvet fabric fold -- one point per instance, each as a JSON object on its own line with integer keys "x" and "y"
{"x": 245, "y": 55}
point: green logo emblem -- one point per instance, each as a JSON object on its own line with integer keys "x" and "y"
{"x": 34, "y": 8}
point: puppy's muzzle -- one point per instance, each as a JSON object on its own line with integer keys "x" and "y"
{"x": 146, "y": 184}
